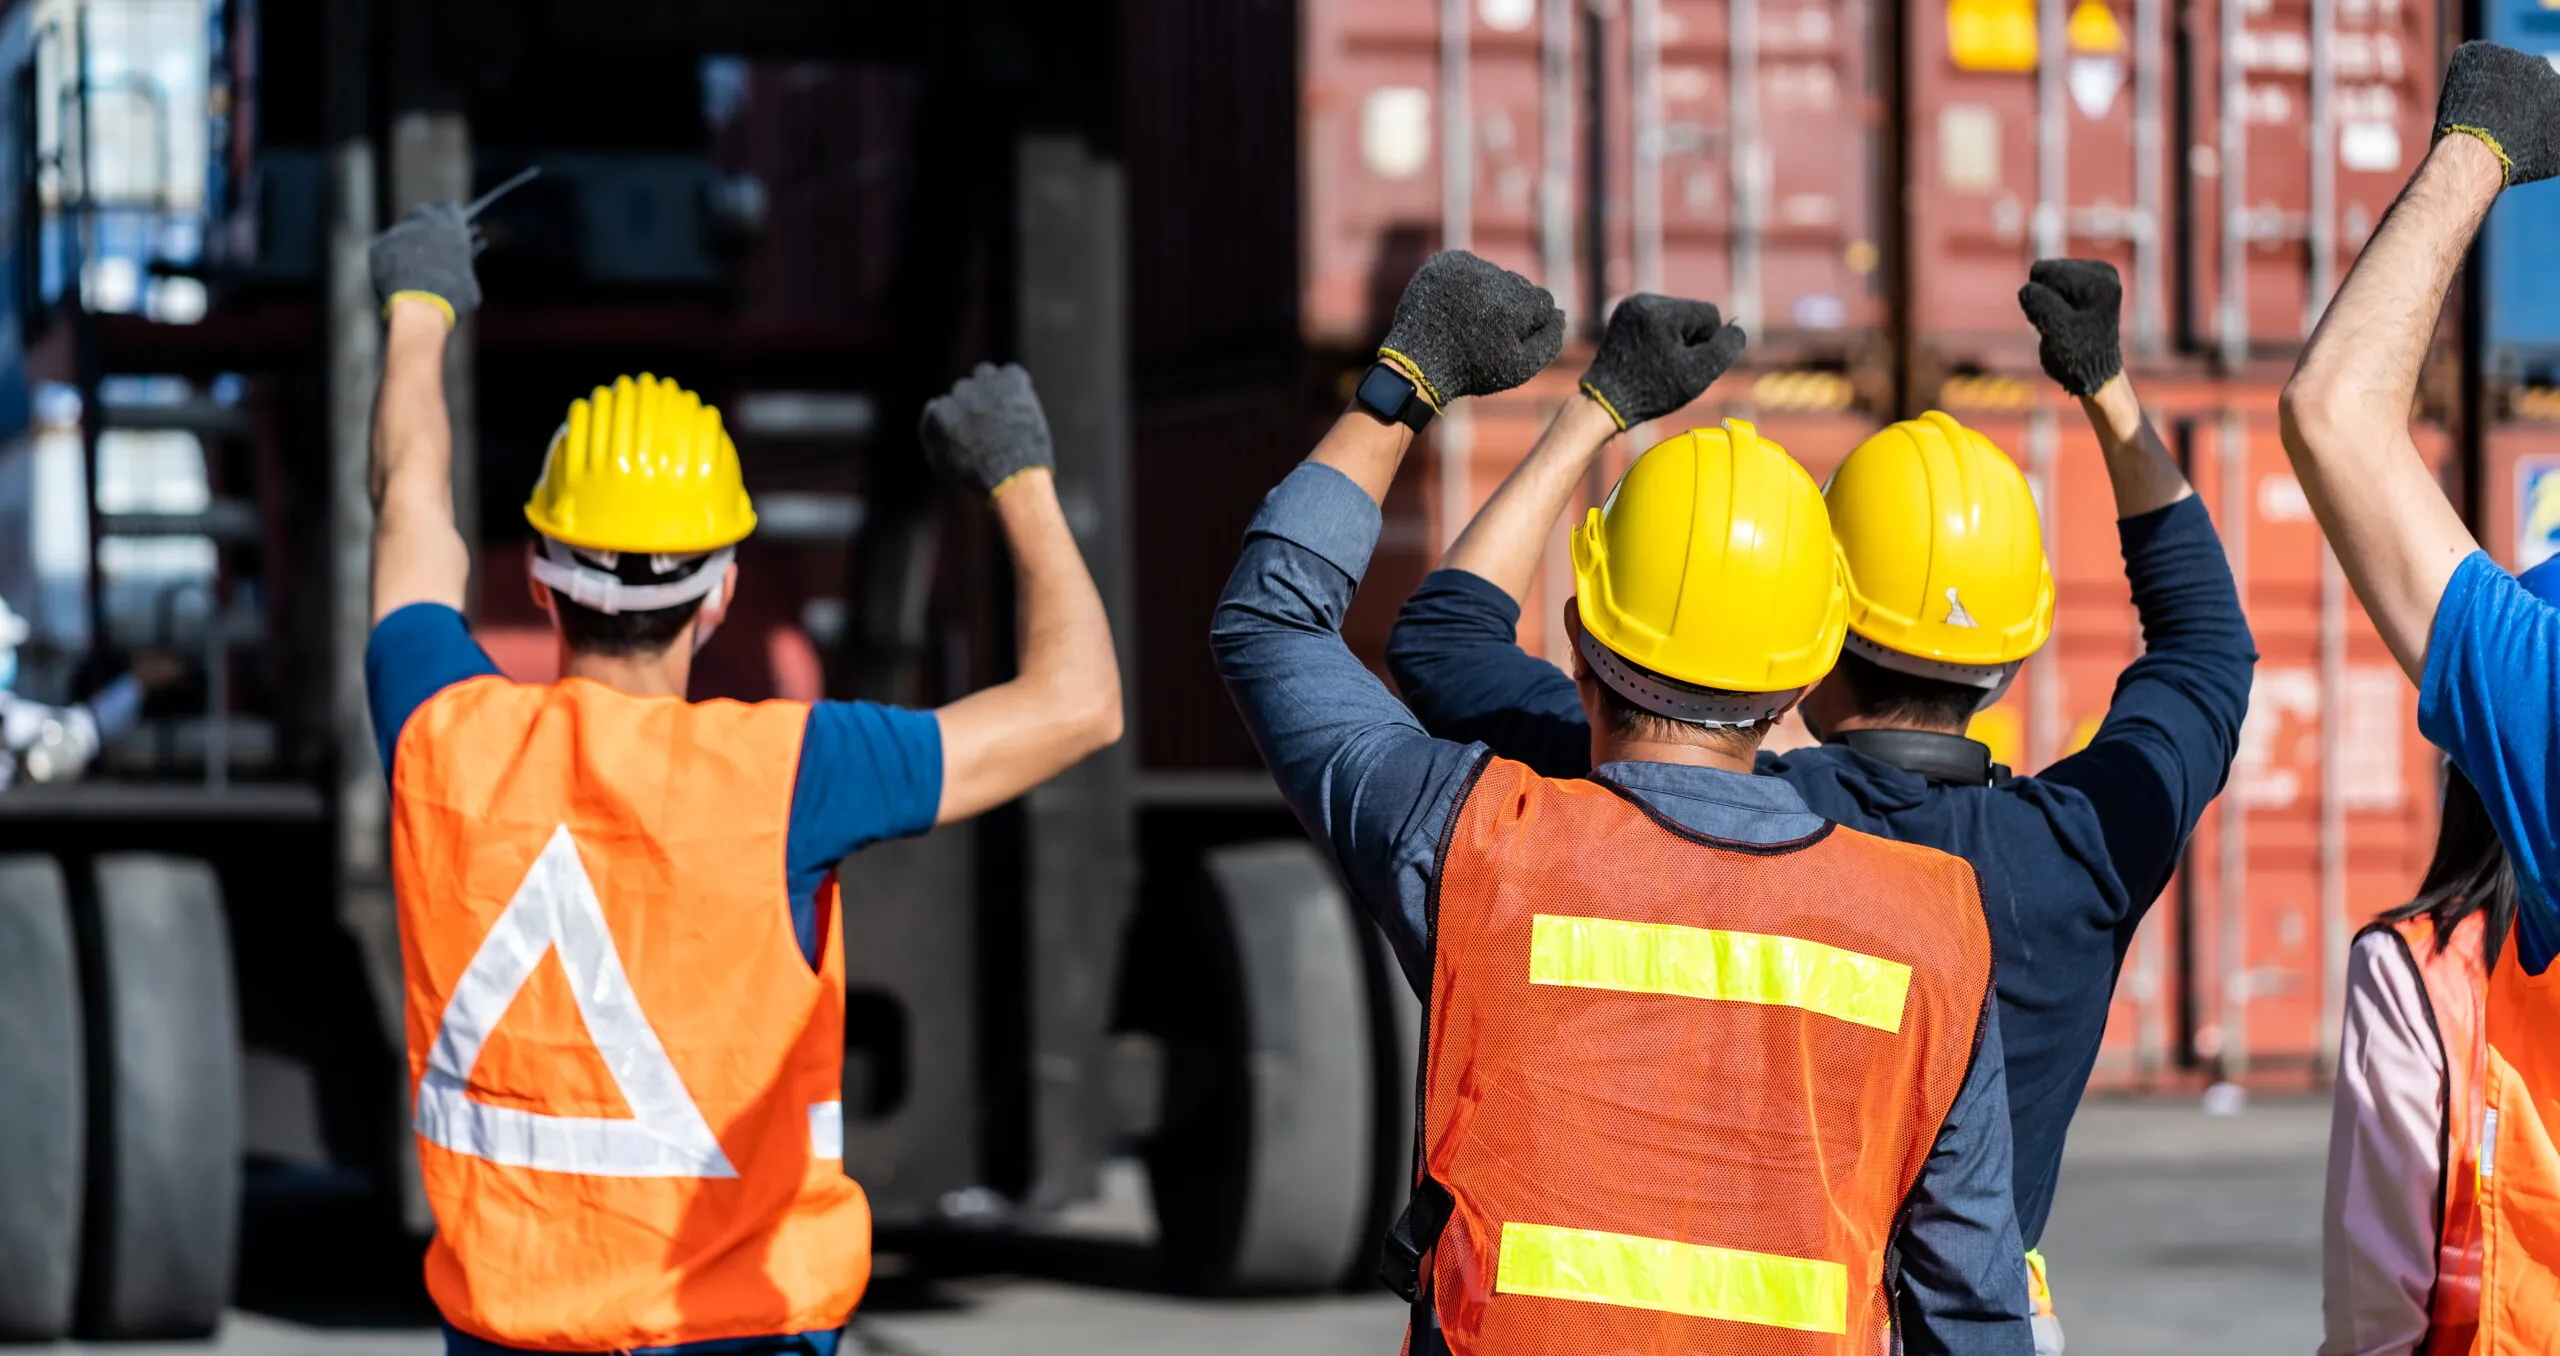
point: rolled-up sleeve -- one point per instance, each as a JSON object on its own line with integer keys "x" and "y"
{"x": 2487, "y": 699}
{"x": 1455, "y": 655}
{"x": 1964, "y": 1270}
{"x": 1368, "y": 784}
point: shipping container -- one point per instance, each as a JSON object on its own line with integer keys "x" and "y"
{"x": 2520, "y": 491}
{"x": 2305, "y": 118}
{"x": 2012, "y": 158}
{"x": 1705, "y": 149}
{"x": 2521, "y": 298}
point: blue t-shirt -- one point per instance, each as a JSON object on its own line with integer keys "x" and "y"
{"x": 2492, "y": 683}
{"x": 867, "y": 771}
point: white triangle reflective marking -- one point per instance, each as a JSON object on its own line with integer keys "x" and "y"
{"x": 665, "y": 1135}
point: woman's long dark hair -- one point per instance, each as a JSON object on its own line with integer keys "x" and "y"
{"x": 2469, "y": 874}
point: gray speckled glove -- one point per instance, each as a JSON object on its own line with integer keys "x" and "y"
{"x": 988, "y": 430}
{"x": 1659, "y": 354}
{"x": 429, "y": 251}
{"x": 2073, "y": 303}
{"x": 2510, "y": 100}
{"x": 1466, "y": 327}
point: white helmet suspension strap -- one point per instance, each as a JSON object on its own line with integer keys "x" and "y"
{"x": 1992, "y": 679}
{"x": 559, "y": 567}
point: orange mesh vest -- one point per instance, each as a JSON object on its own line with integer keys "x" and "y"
{"x": 1679, "y": 1090}
{"x": 2456, "y": 984}
{"x": 2518, "y": 1180}
{"x": 626, "y": 1075}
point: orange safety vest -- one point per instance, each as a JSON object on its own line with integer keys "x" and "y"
{"x": 2497, "y": 1290}
{"x": 1677, "y": 1090}
{"x": 626, "y": 1074}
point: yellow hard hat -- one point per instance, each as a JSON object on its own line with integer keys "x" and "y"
{"x": 642, "y": 465}
{"x": 1711, "y": 565}
{"x": 1946, "y": 556}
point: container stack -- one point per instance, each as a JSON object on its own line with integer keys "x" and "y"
{"x": 1864, "y": 186}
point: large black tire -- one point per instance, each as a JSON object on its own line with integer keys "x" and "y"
{"x": 1263, "y": 1172}
{"x": 1395, "y": 1047}
{"x": 42, "y": 1120}
{"x": 164, "y": 1101}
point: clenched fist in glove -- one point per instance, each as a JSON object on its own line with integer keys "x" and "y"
{"x": 2510, "y": 100}
{"x": 1465, "y": 327}
{"x": 1659, "y": 354}
{"x": 2073, "y": 305}
{"x": 988, "y": 430}
{"x": 428, "y": 254}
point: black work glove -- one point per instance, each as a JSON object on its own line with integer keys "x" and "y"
{"x": 1659, "y": 354}
{"x": 430, "y": 251}
{"x": 2073, "y": 305}
{"x": 2508, "y": 99}
{"x": 1466, "y": 327}
{"x": 988, "y": 430}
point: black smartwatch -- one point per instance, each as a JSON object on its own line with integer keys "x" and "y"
{"x": 1390, "y": 397}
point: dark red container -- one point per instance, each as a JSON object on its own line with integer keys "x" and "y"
{"x": 2300, "y": 139}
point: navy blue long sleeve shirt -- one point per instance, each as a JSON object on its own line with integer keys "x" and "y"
{"x": 2070, "y": 860}
{"x": 1377, "y": 792}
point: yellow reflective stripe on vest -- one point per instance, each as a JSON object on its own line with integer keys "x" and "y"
{"x": 1677, "y": 1278}
{"x": 1738, "y": 967}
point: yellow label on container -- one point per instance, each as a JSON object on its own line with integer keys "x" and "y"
{"x": 2094, "y": 29}
{"x": 1992, "y": 35}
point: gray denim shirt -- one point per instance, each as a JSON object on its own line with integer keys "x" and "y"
{"x": 1377, "y": 793}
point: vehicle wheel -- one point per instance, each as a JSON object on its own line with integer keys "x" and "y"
{"x": 43, "y": 1119}
{"x": 1395, "y": 1044}
{"x": 164, "y": 1103}
{"x": 1262, "y": 1172}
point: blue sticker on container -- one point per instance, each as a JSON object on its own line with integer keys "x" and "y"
{"x": 2537, "y": 510}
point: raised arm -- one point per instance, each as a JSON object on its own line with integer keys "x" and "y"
{"x": 2074, "y": 305}
{"x": 1063, "y": 702}
{"x": 1455, "y": 652}
{"x": 2346, "y": 410}
{"x": 422, "y": 275}
{"x": 1369, "y": 785}
{"x": 2173, "y": 725}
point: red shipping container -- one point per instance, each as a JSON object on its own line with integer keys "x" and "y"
{"x": 2011, "y": 158}
{"x": 2303, "y": 135}
{"x": 2329, "y": 814}
{"x": 1740, "y": 156}
{"x": 2520, "y": 493}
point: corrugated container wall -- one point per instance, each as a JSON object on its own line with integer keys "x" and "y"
{"x": 1735, "y": 145}
{"x": 2316, "y": 110}
{"x": 2318, "y": 124}
{"x": 2522, "y": 326}
{"x": 2013, "y": 158}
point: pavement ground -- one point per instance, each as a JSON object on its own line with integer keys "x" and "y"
{"x": 2174, "y": 1232}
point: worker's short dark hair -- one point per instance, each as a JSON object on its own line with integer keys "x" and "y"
{"x": 1626, "y": 720}
{"x": 1906, "y": 698}
{"x": 627, "y": 635}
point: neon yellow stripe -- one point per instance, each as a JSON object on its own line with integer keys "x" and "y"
{"x": 1737, "y": 967}
{"x": 1676, "y": 1278}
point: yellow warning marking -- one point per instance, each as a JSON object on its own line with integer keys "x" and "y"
{"x": 1735, "y": 967}
{"x": 2094, "y": 29}
{"x": 1992, "y": 35}
{"x": 1670, "y": 1277}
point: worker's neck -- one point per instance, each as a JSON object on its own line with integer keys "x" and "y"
{"x": 1722, "y": 756}
{"x": 664, "y": 674}
{"x": 1847, "y": 723}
